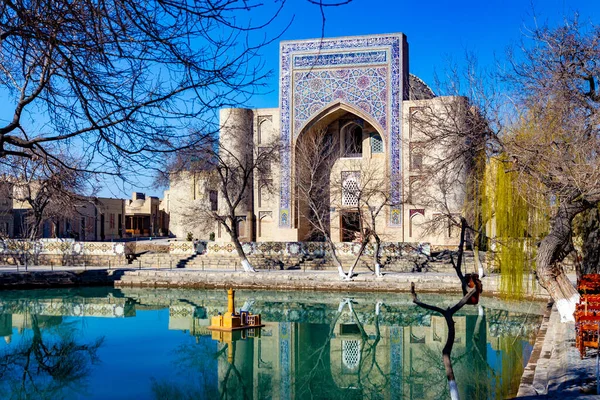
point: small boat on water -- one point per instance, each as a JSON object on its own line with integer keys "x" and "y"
{"x": 233, "y": 321}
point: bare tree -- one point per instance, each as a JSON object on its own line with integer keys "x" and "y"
{"x": 546, "y": 129}
{"x": 230, "y": 167}
{"x": 46, "y": 190}
{"x": 449, "y": 142}
{"x": 120, "y": 80}
{"x": 366, "y": 198}
{"x": 317, "y": 152}
{"x": 555, "y": 138}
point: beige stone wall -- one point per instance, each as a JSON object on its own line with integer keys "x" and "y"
{"x": 113, "y": 211}
{"x": 187, "y": 196}
{"x": 266, "y": 194}
{"x": 422, "y": 194}
{"x": 236, "y": 142}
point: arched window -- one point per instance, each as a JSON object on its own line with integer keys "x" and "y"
{"x": 353, "y": 136}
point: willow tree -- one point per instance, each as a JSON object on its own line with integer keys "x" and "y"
{"x": 519, "y": 219}
{"x": 555, "y": 141}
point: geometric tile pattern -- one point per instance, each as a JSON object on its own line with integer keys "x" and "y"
{"x": 364, "y": 88}
{"x": 376, "y": 58}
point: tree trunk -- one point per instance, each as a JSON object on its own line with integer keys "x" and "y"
{"x": 334, "y": 257}
{"x": 446, "y": 352}
{"x": 35, "y": 228}
{"x": 551, "y": 252}
{"x": 364, "y": 243}
{"x": 233, "y": 233}
{"x": 591, "y": 242}
{"x": 376, "y": 257}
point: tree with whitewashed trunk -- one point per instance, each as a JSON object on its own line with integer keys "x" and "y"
{"x": 367, "y": 196}
{"x": 541, "y": 119}
{"x": 317, "y": 152}
{"x": 451, "y": 137}
{"x": 554, "y": 138}
{"x": 228, "y": 168}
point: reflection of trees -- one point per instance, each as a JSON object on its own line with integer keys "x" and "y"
{"x": 483, "y": 372}
{"x": 233, "y": 385}
{"x": 315, "y": 382}
{"x": 371, "y": 379}
{"x": 196, "y": 365}
{"x": 46, "y": 365}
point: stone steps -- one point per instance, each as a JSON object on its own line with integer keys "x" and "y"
{"x": 232, "y": 262}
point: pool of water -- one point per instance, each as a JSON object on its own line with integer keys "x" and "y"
{"x": 101, "y": 343}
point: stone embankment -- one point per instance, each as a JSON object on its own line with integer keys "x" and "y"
{"x": 38, "y": 279}
{"x": 309, "y": 280}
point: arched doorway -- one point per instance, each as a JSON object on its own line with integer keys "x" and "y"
{"x": 349, "y": 141}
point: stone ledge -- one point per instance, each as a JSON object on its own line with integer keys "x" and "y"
{"x": 298, "y": 280}
{"x": 50, "y": 279}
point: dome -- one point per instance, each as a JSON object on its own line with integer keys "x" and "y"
{"x": 418, "y": 90}
{"x": 139, "y": 203}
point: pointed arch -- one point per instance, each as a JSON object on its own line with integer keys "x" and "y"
{"x": 338, "y": 105}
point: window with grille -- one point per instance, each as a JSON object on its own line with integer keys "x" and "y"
{"x": 376, "y": 143}
{"x": 350, "y": 188}
{"x": 350, "y": 355}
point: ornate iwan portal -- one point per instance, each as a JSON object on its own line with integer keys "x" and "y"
{"x": 367, "y": 74}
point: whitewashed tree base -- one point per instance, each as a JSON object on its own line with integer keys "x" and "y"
{"x": 453, "y": 390}
{"x": 247, "y": 267}
{"x": 566, "y": 308}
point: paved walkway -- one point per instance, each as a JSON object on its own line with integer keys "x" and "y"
{"x": 555, "y": 370}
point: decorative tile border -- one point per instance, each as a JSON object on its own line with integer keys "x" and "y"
{"x": 66, "y": 247}
{"x": 118, "y": 308}
{"x": 319, "y": 249}
{"x": 340, "y": 59}
{"x": 365, "y": 51}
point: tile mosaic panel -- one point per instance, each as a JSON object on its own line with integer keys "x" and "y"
{"x": 363, "y": 88}
{"x": 321, "y": 59}
{"x": 318, "y": 249}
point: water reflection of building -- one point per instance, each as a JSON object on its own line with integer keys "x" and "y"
{"x": 297, "y": 360}
{"x": 16, "y": 314}
{"x": 307, "y": 349}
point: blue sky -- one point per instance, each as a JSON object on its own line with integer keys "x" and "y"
{"x": 439, "y": 32}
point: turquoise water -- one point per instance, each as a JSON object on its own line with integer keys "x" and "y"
{"x": 100, "y": 343}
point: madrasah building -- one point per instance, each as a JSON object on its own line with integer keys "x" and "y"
{"x": 359, "y": 88}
